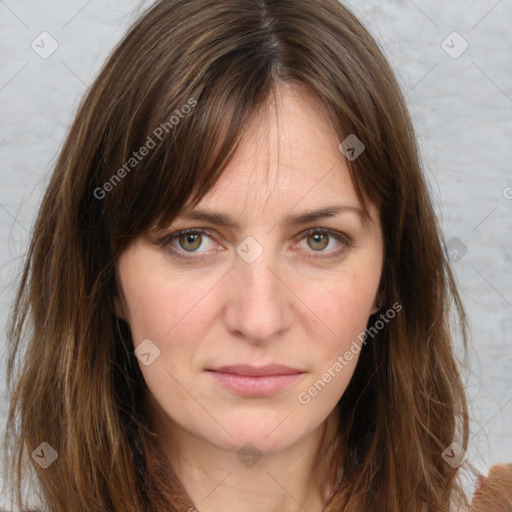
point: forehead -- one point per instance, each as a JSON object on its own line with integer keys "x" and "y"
{"x": 293, "y": 132}
{"x": 288, "y": 159}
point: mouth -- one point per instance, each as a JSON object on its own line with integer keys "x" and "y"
{"x": 255, "y": 381}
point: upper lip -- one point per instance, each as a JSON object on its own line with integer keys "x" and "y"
{"x": 271, "y": 369}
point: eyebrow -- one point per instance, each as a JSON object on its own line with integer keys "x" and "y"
{"x": 223, "y": 219}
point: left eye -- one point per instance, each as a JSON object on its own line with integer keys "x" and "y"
{"x": 319, "y": 240}
{"x": 185, "y": 244}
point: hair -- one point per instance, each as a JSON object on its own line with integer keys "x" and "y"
{"x": 183, "y": 83}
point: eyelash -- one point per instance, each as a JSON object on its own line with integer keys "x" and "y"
{"x": 166, "y": 242}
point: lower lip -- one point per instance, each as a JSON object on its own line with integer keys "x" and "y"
{"x": 250, "y": 385}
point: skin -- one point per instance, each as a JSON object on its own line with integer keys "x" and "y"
{"x": 285, "y": 307}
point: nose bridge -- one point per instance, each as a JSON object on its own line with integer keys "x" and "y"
{"x": 258, "y": 276}
{"x": 259, "y": 307}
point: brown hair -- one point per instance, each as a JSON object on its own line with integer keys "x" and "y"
{"x": 77, "y": 384}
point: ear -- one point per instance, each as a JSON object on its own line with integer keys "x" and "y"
{"x": 376, "y": 307}
{"x": 377, "y": 303}
{"x": 119, "y": 306}
{"x": 119, "y": 309}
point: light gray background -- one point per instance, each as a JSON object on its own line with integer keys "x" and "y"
{"x": 462, "y": 109}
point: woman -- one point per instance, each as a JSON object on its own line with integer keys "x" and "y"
{"x": 298, "y": 353}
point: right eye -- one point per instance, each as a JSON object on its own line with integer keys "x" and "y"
{"x": 185, "y": 244}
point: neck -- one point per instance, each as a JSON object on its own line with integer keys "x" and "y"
{"x": 216, "y": 479}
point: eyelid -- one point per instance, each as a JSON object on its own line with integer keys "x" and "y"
{"x": 338, "y": 235}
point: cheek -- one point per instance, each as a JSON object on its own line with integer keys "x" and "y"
{"x": 344, "y": 307}
{"x": 341, "y": 313}
{"x": 163, "y": 307}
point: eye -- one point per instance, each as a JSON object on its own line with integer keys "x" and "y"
{"x": 185, "y": 243}
{"x": 317, "y": 240}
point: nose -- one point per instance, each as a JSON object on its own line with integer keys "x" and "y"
{"x": 260, "y": 304}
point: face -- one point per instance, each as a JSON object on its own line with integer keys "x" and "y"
{"x": 239, "y": 326}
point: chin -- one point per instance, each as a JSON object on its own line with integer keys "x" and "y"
{"x": 268, "y": 433}
{"x": 254, "y": 443}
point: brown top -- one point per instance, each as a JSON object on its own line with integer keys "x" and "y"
{"x": 494, "y": 492}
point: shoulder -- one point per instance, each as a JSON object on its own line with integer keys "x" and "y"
{"x": 494, "y": 491}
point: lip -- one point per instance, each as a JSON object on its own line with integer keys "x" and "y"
{"x": 255, "y": 381}
{"x": 257, "y": 371}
